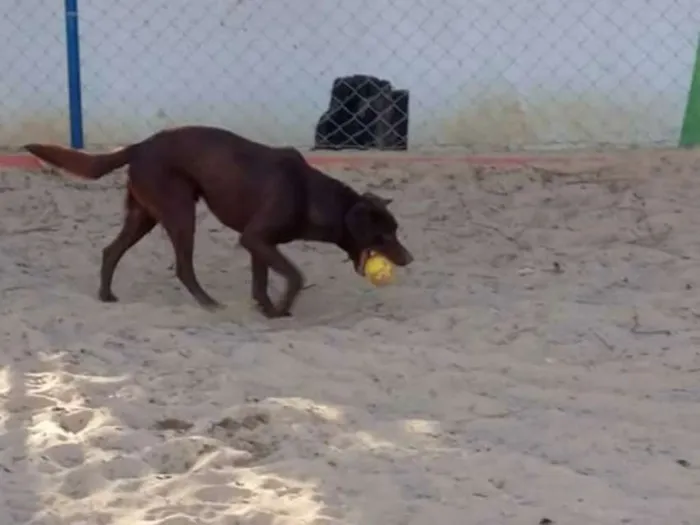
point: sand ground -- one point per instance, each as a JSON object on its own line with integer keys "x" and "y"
{"x": 539, "y": 361}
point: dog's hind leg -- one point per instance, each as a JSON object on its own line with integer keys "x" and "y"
{"x": 137, "y": 224}
{"x": 178, "y": 214}
{"x": 172, "y": 201}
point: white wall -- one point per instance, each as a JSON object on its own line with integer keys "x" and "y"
{"x": 502, "y": 72}
{"x": 33, "y": 79}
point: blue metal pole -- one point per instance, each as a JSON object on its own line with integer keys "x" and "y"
{"x": 75, "y": 104}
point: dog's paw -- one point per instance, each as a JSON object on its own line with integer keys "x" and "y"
{"x": 212, "y": 306}
{"x": 106, "y": 296}
{"x": 271, "y": 312}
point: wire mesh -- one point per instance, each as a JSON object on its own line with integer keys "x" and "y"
{"x": 333, "y": 74}
{"x": 33, "y": 66}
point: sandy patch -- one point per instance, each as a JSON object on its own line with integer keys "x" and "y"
{"x": 538, "y": 362}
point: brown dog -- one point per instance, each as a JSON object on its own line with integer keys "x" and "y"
{"x": 269, "y": 195}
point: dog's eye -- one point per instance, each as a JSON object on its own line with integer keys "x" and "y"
{"x": 382, "y": 238}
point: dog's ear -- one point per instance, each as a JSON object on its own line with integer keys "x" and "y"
{"x": 376, "y": 199}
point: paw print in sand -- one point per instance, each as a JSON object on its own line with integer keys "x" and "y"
{"x": 74, "y": 422}
{"x": 246, "y": 433}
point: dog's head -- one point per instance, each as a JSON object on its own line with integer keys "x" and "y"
{"x": 372, "y": 227}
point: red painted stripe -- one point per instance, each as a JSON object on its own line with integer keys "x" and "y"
{"x": 18, "y": 161}
{"x": 483, "y": 160}
{"x": 28, "y": 162}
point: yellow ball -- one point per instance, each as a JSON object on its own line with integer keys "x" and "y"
{"x": 379, "y": 270}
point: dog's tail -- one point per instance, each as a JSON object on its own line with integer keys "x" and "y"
{"x": 80, "y": 163}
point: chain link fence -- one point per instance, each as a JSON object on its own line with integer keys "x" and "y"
{"x": 387, "y": 74}
{"x": 33, "y": 82}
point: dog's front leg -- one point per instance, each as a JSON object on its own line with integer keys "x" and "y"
{"x": 267, "y": 255}
{"x": 259, "y": 285}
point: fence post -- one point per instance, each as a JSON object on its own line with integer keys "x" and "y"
{"x": 75, "y": 104}
{"x": 690, "y": 132}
